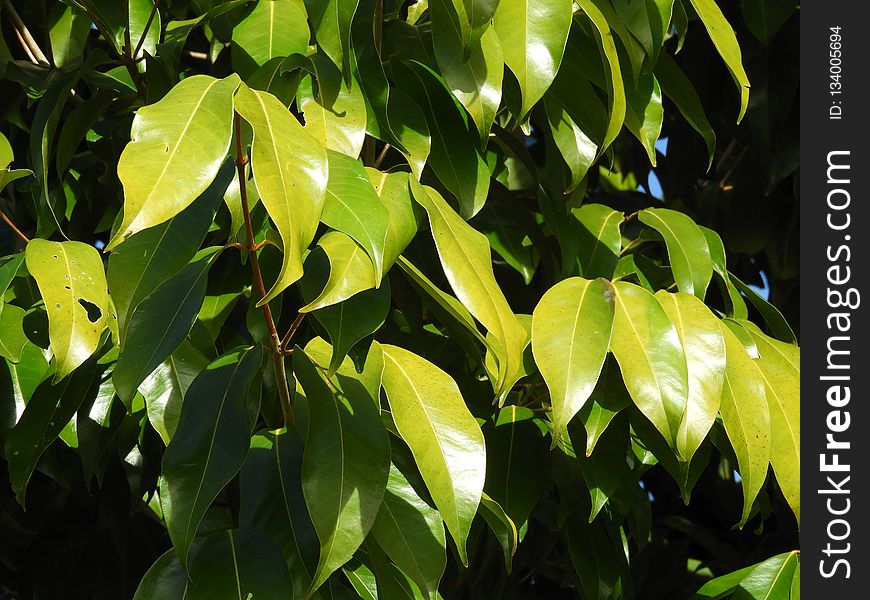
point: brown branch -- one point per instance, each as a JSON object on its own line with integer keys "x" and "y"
{"x": 277, "y": 356}
{"x": 290, "y": 332}
{"x": 34, "y": 53}
{"x": 382, "y": 156}
{"x": 13, "y": 227}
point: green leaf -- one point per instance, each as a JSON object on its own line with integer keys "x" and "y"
{"x": 174, "y": 304}
{"x": 779, "y": 365}
{"x": 578, "y": 151}
{"x": 68, "y": 32}
{"x": 571, "y": 330}
{"x": 768, "y": 580}
{"x": 502, "y": 527}
{"x": 533, "y": 34}
{"x": 12, "y": 337}
{"x": 601, "y": 241}
{"x": 746, "y": 418}
{"x": 271, "y": 500}
{"x": 598, "y": 562}
{"x": 178, "y": 145}
{"x": 290, "y": 170}
{"x": 353, "y": 207}
{"x": 518, "y": 459}
{"x": 165, "y": 387}
{"x": 444, "y": 438}
{"x": 331, "y": 21}
{"x": 339, "y": 123}
{"x": 349, "y": 321}
{"x": 718, "y": 258}
{"x": 725, "y": 40}
{"x": 764, "y": 19}
{"x": 72, "y": 282}
{"x": 147, "y": 259}
{"x": 394, "y": 191}
{"x": 465, "y": 258}
{"x": 350, "y": 271}
{"x": 209, "y": 446}
{"x": 345, "y": 465}
{"x": 680, "y": 90}
{"x": 454, "y": 158}
{"x": 472, "y": 69}
{"x": 245, "y": 562}
{"x": 411, "y": 533}
{"x": 47, "y": 413}
{"x": 411, "y": 131}
{"x": 138, "y": 14}
{"x": 644, "y": 114}
{"x": 273, "y": 28}
{"x": 652, "y": 359}
{"x": 774, "y": 319}
{"x": 688, "y": 252}
{"x": 608, "y": 399}
{"x": 616, "y": 90}
{"x": 701, "y": 337}
{"x": 607, "y": 470}
{"x": 164, "y": 580}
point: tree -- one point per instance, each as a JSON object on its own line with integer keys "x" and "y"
{"x": 380, "y": 299}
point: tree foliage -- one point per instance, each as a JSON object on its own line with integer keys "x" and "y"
{"x": 380, "y": 299}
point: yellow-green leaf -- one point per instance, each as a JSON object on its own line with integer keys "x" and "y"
{"x": 688, "y": 251}
{"x": 723, "y": 37}
{"x": 651, "y": 357}
{"x": 350, "y": 271}
{"x": 571, "y": 329}
{"x": 177, "y": 147}
{"x": 466, "y": 259}
{"x": 72, "y": 282}
{"x": 701, "y": 336}
{"x": 533, "y": 34}
{"x": 290, "y": 170}
{"x": 274, "y": 28}
{"x": 746, "y": 418}
{"x": 444, "y": 437}
{"x": 338, "y": 123}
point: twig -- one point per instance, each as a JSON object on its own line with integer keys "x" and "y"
{"x": 382, "y": 156}
{"x": 13, "y": 227}
{"x": 290, "y": 332}
{"x": 277, "y": 356}
{"x": 34, "y": 53}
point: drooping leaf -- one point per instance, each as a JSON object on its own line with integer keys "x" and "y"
{"x": 47, "y": 413}
{"x": 353, "y": 207}
{"x": 600, "y": 241}
{"x": 746, "y": 418}
{"x": 290, "y": 170}
{"x": 72, "y": 282}
{"x": 411, "y": 533}
{"x": 350, "y": 271}
{"x": 273, "y": 28}
{"x": 680, "y": 90}
{"x": 12, "y": 337}
{"x": 644, "y": 113}
{"x": 774, "y": 319}
{"x": 458, "y": 165}
{"x": 719, "y": 260}
{"x": 779, "y": 365}
{"x": 578, "y": 151}
{"x": 338, "y": 123}
{"x": 533, "y": 34}
{"x": 769, "y": 579}
{"x": 465, "y": 258}
{"x": 725, "y": 40}
{"x": 652, "y": 359}
{"x": 165, "y": 387}
{"x": 160, "y": 179}
{"x": 209, "y": 446}
{"x": 331, "y": 21}
{"x": 271, "y": 500}
{"x": 175, "y": 303}
{"x": 138, "y": 16}
{"x": 68, "y": 32}
{"x": 765, "y": 19}
{"x": 571, "y": 331}
{"x": 345, "y": 465}
{"x": 444, "y": 438}
{"x": 472, "y": 69}
{"x": 144, "y": 261}
{"x": 502, "y": 527}
{"x": 608, "y": 399}
{"x": 607, "y": 471}
{"x": 701, "y": 336}
{"x": 616, "y": 90}
{"x": 394, "y": 191}
{"x": 687, "y": 248}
